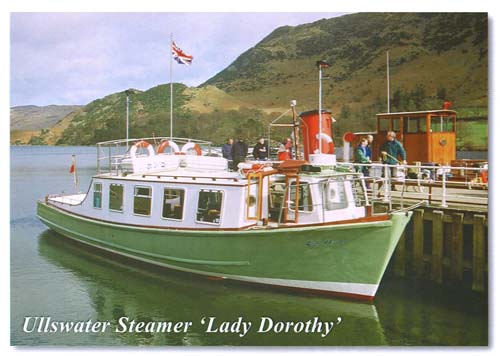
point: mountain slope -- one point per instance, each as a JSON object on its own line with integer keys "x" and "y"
{"x": 32, "y": 117}
{"x": 434, "y": 51}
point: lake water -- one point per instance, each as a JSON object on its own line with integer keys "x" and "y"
{"x": 56, "y": 278}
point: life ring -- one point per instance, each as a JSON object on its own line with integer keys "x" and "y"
{"x": 142, "y": 144}
{"x": 484, "y": 174}
{"x": 167, "y": 144}
{"x": 328, "y": 140}
{"x": 247, "y": 168}
{"x": 192, "y": 146}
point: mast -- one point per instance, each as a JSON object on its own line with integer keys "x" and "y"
{"x": 127, "y": 92}
{"x": 319, "y": 110}
{"x": 293, "y": 103}
{"x": 171, "y": 90}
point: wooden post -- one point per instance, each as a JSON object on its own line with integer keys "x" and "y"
{"x": 457, "y": 246}
{"x": 437, "y": 246}
{"x": 418, "y": 242}
{"x": 478, "y": 253}
{"x": 400, "y": 258}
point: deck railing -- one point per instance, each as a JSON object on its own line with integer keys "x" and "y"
{"x": 110, "y": 154}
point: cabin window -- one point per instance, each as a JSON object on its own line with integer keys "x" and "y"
{"x": 305, "y": 198}
{"x": 396, "y": 124}
{"x": 384, "y": 125}
{"x": 142, "y": 200}
{"x": 276, "y": 201}
{"x": 116, "y": 197}
{"x": 414, "y": 125}
{"x": 98, "y": 195}
{"x": 334, "y": 196}
{"x": 173, "y": 203}
{"x": 209, "y": 206}
{"x": 442, "y": 124}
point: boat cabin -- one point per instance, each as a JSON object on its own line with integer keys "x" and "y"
{"x": 192, "y": 191}
{"x": 427, "y": 136}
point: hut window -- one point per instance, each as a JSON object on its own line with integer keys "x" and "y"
{"x": 116, "y": 197}
{"x": 305, "y": 198}
{"x": 142, "y": 200}
{"x": 173, "y": 203}
{"x": 98, "y": 195}
{"x": 209, "y": 206}
{"x": 334, "y": 196}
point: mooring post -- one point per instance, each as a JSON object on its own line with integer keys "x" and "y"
{"x": 418, "y": 242}
{"x": 457, "y": 243}
{"x": 437, "y": 246}
{"x": 478, "y": 253}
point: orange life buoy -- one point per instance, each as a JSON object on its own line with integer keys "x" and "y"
{"x": 167, "y": 144}
{"x": 192, "y": 146}
{"x": 142, "y": 144}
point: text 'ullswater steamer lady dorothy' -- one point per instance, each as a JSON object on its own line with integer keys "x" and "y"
{"x": 304, "y": 224}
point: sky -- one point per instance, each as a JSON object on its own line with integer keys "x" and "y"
{"x": 74, "y": 58}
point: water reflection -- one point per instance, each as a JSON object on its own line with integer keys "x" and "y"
{"x": 119, "y": 287}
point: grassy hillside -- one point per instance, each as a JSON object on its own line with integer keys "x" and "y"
{"x": 433, "y": 57}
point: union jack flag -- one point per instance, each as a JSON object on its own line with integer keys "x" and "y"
{"x": 180, "y": 56}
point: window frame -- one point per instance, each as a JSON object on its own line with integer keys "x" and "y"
{"x": 111, "y": 185}
{"x": 341, "y": 183}
{"x": 222, "y": 192}
{"x": 291, "y": 200}
{"x": 183, "y": 203}
{"x": 150, "y": 196}
{"x": 94, "y": 195}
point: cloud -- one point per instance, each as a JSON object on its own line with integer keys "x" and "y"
{"x": 95, "y": 54}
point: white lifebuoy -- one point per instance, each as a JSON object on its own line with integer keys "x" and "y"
{"x": 167, "y": 144}
{"x": 191, "y": 146}
{"x": 328, "y": 140}
{"x": 142, "y": 144}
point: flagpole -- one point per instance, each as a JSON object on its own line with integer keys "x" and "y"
{"x": 75, "y": 178}
{"x": 171, "y": 89}
{"x": 388, "y": 85}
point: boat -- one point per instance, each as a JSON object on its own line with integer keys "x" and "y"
{"x": 304, "y": 223}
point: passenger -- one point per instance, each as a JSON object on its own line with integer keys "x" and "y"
{"x": 288, "y": 146}
{"x": 239, "y": 152}
{"x": 261, "y": 151}
{"x": 282, "y": 153}
{"x": 390, "y": 151}
{"x": 360, "y": 156}
{"x": 369, "y": 146}
{"x": 226, "y": 151}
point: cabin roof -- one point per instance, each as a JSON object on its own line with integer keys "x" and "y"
{"x": 441, "y": 111}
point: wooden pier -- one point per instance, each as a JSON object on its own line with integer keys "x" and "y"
{"x": 445, "y": 245}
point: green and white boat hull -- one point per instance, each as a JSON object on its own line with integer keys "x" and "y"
{"x": 347, "y": 258}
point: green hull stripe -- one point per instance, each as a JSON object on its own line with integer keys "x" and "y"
{"x": 176, "y": 259}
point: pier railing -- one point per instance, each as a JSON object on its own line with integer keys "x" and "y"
{"x": 434, "y": 185}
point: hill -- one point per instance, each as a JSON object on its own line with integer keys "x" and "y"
{"x": 433, "y": 57}
{"x": 32, "y": 117}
